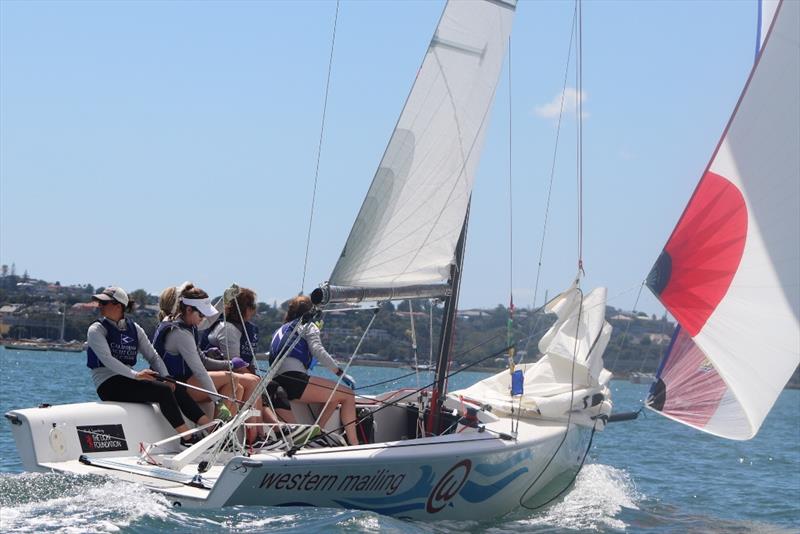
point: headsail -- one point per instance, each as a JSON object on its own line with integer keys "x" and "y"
{"x": 766, "y": 12}
{"x": 730, "y": 272}
{"x": 406, "y": 232}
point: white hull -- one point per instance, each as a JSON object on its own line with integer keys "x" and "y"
{"x": 466, "y": 475}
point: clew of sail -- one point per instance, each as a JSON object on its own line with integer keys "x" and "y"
{"x": 730, "y": 271}
{"x": 406, "y": 232}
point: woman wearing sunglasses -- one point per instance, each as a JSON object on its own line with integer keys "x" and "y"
{"x": 182, "y": 310}
{"x": 114, "y": 344}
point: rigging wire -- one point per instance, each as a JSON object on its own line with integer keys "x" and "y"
{"x": 628, "y": 326}
{"x": 537, "y": 315}
{"x": 578, "y": 62}
{"x": 413, "y": 339}
{"x": 319, "y": 148}
{"x": 579, "y": 121}
{"x": 553, "y": 169}
{"x": 510, "y": 194}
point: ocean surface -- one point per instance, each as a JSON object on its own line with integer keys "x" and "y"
{"x": 648, "y": 475}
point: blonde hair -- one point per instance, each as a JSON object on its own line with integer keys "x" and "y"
{"x": 169, "y": 302}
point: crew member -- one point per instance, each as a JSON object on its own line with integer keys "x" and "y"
{"x": 302, "y": 341}
{"x": 114, "y": 344}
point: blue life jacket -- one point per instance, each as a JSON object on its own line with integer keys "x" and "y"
{"x": 124, "y": 344}
{"x": 205, "y": 344}
{"x": 281, "y": 339}
{"x": 245, "y": 351}
{"x": 175, "y": 363}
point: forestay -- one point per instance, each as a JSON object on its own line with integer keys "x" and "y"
{"x": 730, "y": 272}
{"x": 406, "y": 231}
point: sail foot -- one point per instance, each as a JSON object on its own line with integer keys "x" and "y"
{"x": 326, "y": 293}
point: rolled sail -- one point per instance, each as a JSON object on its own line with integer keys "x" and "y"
{"x": 730, "y": 271}
{"x": 406, "y": 232}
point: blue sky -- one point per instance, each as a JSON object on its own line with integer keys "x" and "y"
{"x": 147, "y": 143}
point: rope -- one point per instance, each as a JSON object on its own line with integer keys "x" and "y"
{"x": 239, "y": 419}
{"x": 579, "y": 106}
{"x": 346, "y": 368}
{"x": 628, "y": 326}
{"x": 569, "y": 413}
{"x": 431, "y": 305}
{"x": 319, "y": 148}
{"x": 510, "y": 216}
{"x": 577, "y": 17}
{"x": 552, "y": 169}
{"x": 413, "y": 339}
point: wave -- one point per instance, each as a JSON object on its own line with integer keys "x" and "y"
{"x": 49, "y": 502}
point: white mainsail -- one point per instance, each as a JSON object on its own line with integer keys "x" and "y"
{"x": 730, "y": 272}
{"x": 409, "y": 224}
{"x": 766, "y": 12}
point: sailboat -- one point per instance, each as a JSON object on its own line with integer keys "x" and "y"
{"x": 514, "y": 439}
{"x": 730, "y": 271}
{"x": 470, "y": 454}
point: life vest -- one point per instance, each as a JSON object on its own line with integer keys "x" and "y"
{"x": 124, "y": 344}
{"x": 244, "y": 347}
{"x": 175, "y": 363}
{"x": 245, "y": 351}
{"x": 281, "y": 339}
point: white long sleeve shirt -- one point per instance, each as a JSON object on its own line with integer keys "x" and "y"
{"x": 309, "y": 332}
{"x": 96, "y": 338}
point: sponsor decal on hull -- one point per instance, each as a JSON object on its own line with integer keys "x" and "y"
{"x": 102, "y": 438}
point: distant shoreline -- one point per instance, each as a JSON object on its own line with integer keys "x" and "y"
{"x": 382, "y": 363}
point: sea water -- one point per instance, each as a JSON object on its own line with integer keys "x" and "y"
{"x": 648, "y": 475}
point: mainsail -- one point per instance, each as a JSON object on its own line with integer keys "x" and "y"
{"x": 403, "y": 241}
{"x": 730, "y": 271}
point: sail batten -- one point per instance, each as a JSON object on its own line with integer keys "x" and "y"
{"x": 730, "y": 271}
{"x": 406, "y": 231}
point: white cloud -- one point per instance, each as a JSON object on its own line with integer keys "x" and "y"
{"x": 553, "y": 108}
{"x": 626, "y": 154}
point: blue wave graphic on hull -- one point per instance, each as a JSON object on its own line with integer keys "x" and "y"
{"x": 491, "y": 470}
{"x": 473, "y": 492}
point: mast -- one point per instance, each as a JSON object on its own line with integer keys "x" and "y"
{"x": 448, "y": 329}
{"x": 63, "y": 323}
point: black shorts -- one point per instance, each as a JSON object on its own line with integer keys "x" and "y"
{"x": 277, "y": 396}
{"x": 294, "y": 382}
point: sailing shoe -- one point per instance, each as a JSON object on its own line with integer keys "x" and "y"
{"x": 300, "y": 435}
{"x": 193, "y": 439}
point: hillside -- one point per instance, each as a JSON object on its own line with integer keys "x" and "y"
{"x": 32, "y": 308}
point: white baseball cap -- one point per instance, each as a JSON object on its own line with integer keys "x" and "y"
{"x": 113, "y": 293}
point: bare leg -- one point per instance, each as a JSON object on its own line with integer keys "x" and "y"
{"x": 286, "y": 415}
{"x": 222, "y": 383}
{"x": 319, "y": 389}
{"x": 250, "y": 383}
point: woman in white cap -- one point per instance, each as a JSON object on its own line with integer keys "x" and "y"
{"x": 114, "y": 343}
{"x": 176, "y": 337}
